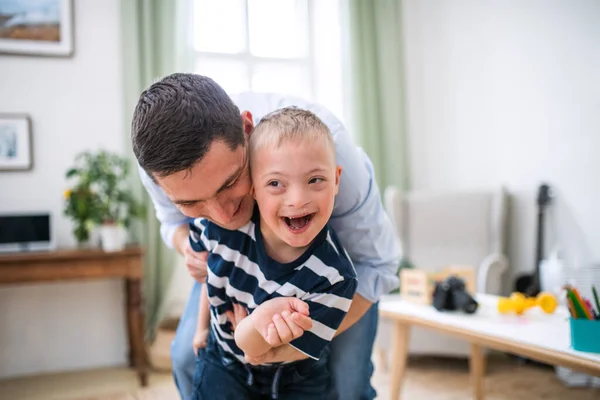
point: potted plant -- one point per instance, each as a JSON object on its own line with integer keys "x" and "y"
{"x": 104, "y": 176}
{"x": 81, "y": 206}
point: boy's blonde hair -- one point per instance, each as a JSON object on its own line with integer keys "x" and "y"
{"x": 289, "y": 123}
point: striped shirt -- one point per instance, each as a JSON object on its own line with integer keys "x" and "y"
{"x": 240, "y": 271}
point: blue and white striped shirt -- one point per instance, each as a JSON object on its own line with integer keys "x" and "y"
{"x": 240, "y": 271}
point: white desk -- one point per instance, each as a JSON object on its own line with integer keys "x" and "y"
{"x": 534, "y": 335}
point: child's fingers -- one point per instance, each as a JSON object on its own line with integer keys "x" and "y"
{"x": 285, "y": 334}
{"x": 296, "y": 330}
{"x": 240, "y": 312}
{"x": 272, "y": 336}
{"x": 231, "y": 318}
{"x": 299, "y": 306}
{"x": 302, "y": 321}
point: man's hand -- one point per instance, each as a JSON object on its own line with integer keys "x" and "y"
{"x": 194, "y": 262}
{"x": 281, "y": 320}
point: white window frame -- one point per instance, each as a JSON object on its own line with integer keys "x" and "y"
{"x": 251, "y": 61}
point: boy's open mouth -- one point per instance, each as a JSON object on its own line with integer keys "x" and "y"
{"x": 298, "y": 223}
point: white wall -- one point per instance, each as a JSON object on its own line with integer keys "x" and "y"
{"x": 75, "y": 104}
{"x": 508, "y": 92}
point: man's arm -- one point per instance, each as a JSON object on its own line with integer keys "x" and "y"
{"x": 359, "y": 307}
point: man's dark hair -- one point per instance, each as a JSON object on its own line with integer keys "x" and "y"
{"x": 177, "y": 119}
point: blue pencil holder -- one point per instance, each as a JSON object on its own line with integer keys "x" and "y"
{"x": 585, "y": 335}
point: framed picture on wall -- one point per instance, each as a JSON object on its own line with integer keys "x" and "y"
{"x": 15, "y": 142}
{"x": 36, "y": 27}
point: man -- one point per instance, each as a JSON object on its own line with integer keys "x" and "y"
{"x": 190, "y": 141}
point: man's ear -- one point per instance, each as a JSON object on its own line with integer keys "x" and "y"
{"x": 338, "y": 173}
{"x": 247, "y": 122}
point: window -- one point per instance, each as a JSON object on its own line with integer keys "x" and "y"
{"x": 284, "y": 46}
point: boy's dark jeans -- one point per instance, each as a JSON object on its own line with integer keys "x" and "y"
{"x": 220, "y": 376}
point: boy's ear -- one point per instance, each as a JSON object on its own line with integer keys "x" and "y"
{"x": 252, "y": 192}
{"x": 338, "y": 173}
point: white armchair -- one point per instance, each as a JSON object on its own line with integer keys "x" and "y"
{"x": 441, "y": 229}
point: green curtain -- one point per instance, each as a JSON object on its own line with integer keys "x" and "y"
{"x": 154, "y": 44}
{"x": 376, "y": 53}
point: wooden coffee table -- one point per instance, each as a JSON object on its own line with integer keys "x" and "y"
{"x": 534, "y": 335}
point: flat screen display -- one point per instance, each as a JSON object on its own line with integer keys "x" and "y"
{"x": 24, "y": 232}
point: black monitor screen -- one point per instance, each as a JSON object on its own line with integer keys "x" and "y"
{"x": 24, "y": 228}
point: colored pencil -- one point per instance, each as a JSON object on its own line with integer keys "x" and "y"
{"x": 579, "y": 312}
{"x": 571, "y": 308}
{"x": 586, "y": 312}
{"x": 596, "y": 299}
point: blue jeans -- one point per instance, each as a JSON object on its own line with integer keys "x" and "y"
{"x": 220, "y": 376}
{"x": 350, "y": 359}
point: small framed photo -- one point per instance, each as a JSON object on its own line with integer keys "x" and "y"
{"x": 36, "y": 27}
{"x": 15, "y": 143}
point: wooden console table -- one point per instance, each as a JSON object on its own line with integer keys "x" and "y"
{"x": 64, "y": 265}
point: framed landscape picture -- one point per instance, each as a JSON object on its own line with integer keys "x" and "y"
{"x": 15, "y": 142}
{"x": 36, "y": 27}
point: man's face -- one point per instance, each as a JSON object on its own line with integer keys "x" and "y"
{"x": 217, "y": 188}
{"x": 295, "y": 186}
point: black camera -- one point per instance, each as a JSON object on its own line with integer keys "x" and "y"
{"x": 451, "y": 294}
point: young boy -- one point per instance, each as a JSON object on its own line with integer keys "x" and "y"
{"x": 286, "y": 267}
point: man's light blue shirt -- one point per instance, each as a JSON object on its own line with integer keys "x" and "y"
{"x": 358, "y": 216}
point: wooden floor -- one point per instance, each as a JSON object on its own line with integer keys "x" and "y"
{"x": 427, "y": 378}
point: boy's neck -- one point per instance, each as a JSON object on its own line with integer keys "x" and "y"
{"x": 276, "y": 248}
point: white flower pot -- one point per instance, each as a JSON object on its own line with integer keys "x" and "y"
{"x": 113, "y": 237}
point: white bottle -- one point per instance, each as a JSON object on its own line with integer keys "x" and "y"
{"x": 553, "y": 273}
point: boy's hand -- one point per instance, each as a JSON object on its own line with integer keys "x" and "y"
{"x": 195, "y": 263}
{"x": 238, "y": 314}
{"x": 200, "y": 340}
{"x": 281, "y": 320}
{"x": 287, "y": 327}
